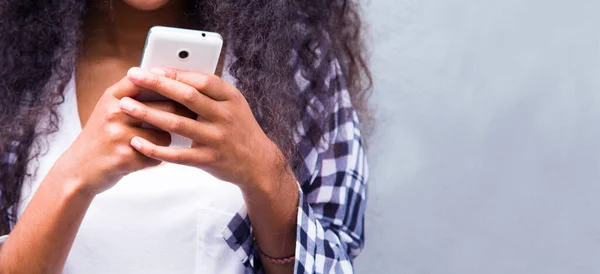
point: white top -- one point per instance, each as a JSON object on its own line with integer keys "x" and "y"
{"x": 167, "y": 219}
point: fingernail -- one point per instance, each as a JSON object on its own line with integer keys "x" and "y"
{"x": 136, "y": 143}
{"x": 136, "y": 74}
{"x": 158, "y": 71}
{"x": 126, "y": 105}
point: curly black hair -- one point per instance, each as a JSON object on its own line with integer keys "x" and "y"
{"x": 40, "y": 42}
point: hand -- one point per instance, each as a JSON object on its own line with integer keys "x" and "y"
{"x": 227, "y": 140}
{"x": 101, "y": 154}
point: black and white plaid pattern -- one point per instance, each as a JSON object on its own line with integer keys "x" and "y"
{"x": 332, "y": 198}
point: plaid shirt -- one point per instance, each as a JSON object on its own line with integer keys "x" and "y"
{"x": 332, "y": 198}
{"x": 331, "y": 209}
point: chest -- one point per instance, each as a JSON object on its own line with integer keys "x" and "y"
{"x": 167, "y": 219}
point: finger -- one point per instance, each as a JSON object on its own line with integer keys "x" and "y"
{"x": 166, "y": 106}
{"x": 113, "y": 113}
{"x": 195, "y": 130}
{"x": 187, "y": 95}
{"x": 210, "y": 85}
{"x": 144, "y": 161}
{"x": 124, "y": 88}
{"x": 171, "y": 107}
{"x": 156, "y": 136}
{"x": 183, "y": 156}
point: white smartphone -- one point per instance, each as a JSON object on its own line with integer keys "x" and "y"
{"x": 192, "y": 50}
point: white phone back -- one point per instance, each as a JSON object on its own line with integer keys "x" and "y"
{"x": 162, "y": 49}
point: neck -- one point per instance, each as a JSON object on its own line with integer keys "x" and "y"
{"x": 117, "y": 30}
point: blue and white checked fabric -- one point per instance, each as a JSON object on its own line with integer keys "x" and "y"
{"x": 330, "y": 222}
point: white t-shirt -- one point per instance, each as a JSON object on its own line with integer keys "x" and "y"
{"x": 167, "y": 219}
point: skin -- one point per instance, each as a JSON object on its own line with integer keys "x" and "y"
{"x": 228, "y": 142}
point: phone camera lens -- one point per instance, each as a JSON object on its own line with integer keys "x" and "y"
{"x": 184, "y": 54}
{"x": 203, "y": 34}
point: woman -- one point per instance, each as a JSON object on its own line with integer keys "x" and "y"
{"x": 275, "y": 180}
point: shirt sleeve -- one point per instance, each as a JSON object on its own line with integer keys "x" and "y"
{"x": 331, "y": 209}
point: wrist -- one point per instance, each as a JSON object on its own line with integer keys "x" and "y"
{"x": 267, "y": 179}
{"x": 75, "y": 187}
{"x": 270, "y": 165}
{"x": 275, "y": 188}
{"x": 69, "y": 185}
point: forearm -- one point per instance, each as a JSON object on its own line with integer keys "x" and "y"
{"x": 272, "y": 209}
{"x": 41, "y": 240}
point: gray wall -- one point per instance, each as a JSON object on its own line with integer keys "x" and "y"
{"x": 487, "y": 154}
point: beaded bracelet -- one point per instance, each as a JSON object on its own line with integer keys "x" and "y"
{"x": 286, "y": 260}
